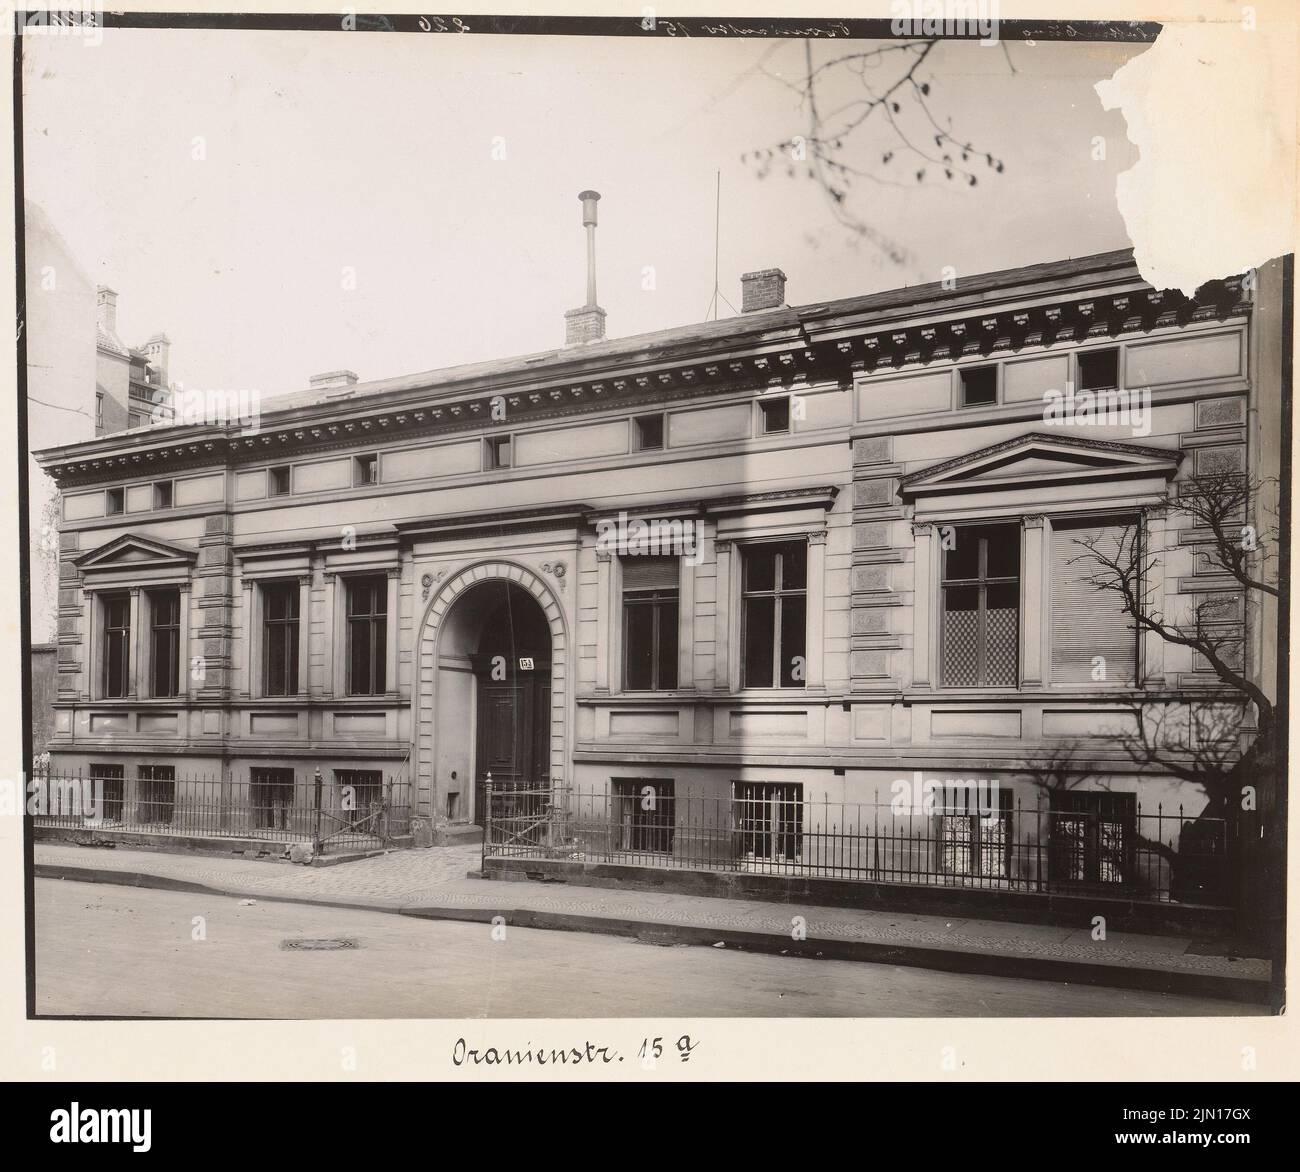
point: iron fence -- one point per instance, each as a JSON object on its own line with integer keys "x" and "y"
{"x": 352, "y": 810}
{"x": 1120, "y": 851}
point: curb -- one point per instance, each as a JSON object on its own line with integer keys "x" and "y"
{"x": 1245, "y": 990}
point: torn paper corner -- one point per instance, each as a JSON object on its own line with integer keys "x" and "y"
{"x": 1212, "y": 111}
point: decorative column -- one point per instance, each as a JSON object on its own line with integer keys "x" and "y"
{"x": 815, "y": 645}
{"x": 685, "y": 623}
{"x": 1155, "y": 540}
{"x": 604, "y": 611}
{"x": 183, "y": 641}
{"x": 304, "y": 635}
{"x": 722, "y": 618}
{"x": 390, "y": 632}
{"x": 924, "y": 586}
{"x": 251, "y": 642}
{"x": 138, "y": 685}
{"x": 331, "y": 684}
{"x": 1036, "y": 593}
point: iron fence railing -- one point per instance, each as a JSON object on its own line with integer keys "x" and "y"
{"x": 351, "y": 810}
{"x": 1127, "y": 852}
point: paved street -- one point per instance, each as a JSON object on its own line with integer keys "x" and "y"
{"x": 102, "y": 949}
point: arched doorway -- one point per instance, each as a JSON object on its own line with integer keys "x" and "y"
{"x": 494, "y": 662}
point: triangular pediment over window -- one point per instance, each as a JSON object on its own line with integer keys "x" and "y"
{"x": 1031, "y": 462}
{"x": 132, "y": 552}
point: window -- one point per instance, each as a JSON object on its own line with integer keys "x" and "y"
{"x": 365, "y": 470}
{"x": 360, "y": 796}
{"x": 367, "y": 636}
{"x": 776, "y": 415}
{"x": 280, "y": 639}
{"x": 109, "y": 790}
{"x": 114, "y": 501}
{"x": 974, "y": 834}
{"x": 1098, "y": 369}
{"x": 1093, "y": 640}
{"x": 497, "y": 452}
{"x": 774, "y": 585}
{"x": 271, "y": 796}
{"x": 164, "y": 642}
{"x": 981, "y": 608}
{"x": 979, "y": 386}
{"x": 1092, "y": 838}
{"x": 644, "y": 814}
{"x": 279, "y": 481}
{"x": 163, "y": 494}
{"x": 156, "y": 797}
{"x": 649, "y": 623}
{"x": 117, "y": 645}
{"x": 99, "y": 412}
{"x": 769, "y": 820}
{"x": 136, "y": 419}
{"x": 648, "y": 431}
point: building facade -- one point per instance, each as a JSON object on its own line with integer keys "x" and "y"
{"x": 776, "y": 562}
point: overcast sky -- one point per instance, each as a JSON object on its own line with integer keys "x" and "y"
{"x": 324, "y": 153}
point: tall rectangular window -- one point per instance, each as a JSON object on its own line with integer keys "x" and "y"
{"x": 981, "y": 607}
{"x": 163, "y": 494}
{"x": 496, "y": 452}
{"x": 774, "y": 615}
{"x": 1093, "y": 640}
{"x": 114, "y": 501}
{"x": 117, "y": 645}
{"x": 975, "y": 833}
{"x": 279, "y": 480}
{"x": 649, "y": 623}
{"x": 360, "y": 792}
{"x": 156, "y": 794}
{"x": 109, "y": 782}
{"x": 280, "y": 639}
{"x": 164, "y": 642}
{"x": 365, "y": 470}
{"x": 367, "y": 636}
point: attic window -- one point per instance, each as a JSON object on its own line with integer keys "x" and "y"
{"x": 279, "y": 481}
{"x": 979, "y": 386}
{"x": 776, "y": 415}
{"x": 649, "y": 432}
{"x": 497, "y": 452}
{"x": 163, "y": 494}
{"x": 1099, "y": 369}
{"x": 114, "y": 501}
{"x": 366, "y": 470}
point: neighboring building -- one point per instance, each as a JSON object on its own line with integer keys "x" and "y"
{"x": 82, "y": 382}
{"x": 414, "y": 577}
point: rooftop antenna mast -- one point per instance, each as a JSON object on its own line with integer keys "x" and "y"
{"x": 717, "y": 235}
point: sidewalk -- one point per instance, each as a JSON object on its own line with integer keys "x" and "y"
{"x": 433, "y": 883}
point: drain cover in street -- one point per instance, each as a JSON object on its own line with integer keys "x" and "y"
{"x": 327, "y": 945}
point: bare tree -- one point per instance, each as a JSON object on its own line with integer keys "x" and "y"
{"x": 890, "y": 88}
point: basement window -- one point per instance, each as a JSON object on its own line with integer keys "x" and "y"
{"x": 365, "y": 470}
{"x": 163, "y": 494}
{"x": 114, "y": 501}
{"x": 1098, "y": 369}
{"x": 979, "y": 386}
{"x": 649, "y": 432}
{"x": 496, "y": 452}
{"x": 279, "y": 480}
{"x": 776, "y": 415}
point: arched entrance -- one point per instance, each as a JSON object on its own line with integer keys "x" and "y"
{"x": 491, "y": 689}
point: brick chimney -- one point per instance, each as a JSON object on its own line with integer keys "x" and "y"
{"x": 587, "y": 324}
{"x": 764, "y": 289}
{"x": 333, "y": 380}
{"x": 106, "y": 306}
{"x": 158, "y": 349}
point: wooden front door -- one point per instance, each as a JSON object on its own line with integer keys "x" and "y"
{"x": 511, "y": 732}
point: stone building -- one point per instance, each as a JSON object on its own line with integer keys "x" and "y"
{"x": 778, "y": 561}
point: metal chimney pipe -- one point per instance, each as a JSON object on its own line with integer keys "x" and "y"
{"x": 589, "y": 200}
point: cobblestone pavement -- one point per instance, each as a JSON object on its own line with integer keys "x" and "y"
{"x": 436, "y": 878}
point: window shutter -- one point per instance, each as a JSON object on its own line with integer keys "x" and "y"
{"x": 1087, "y": 621}
{"x": 649, "y": 573}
